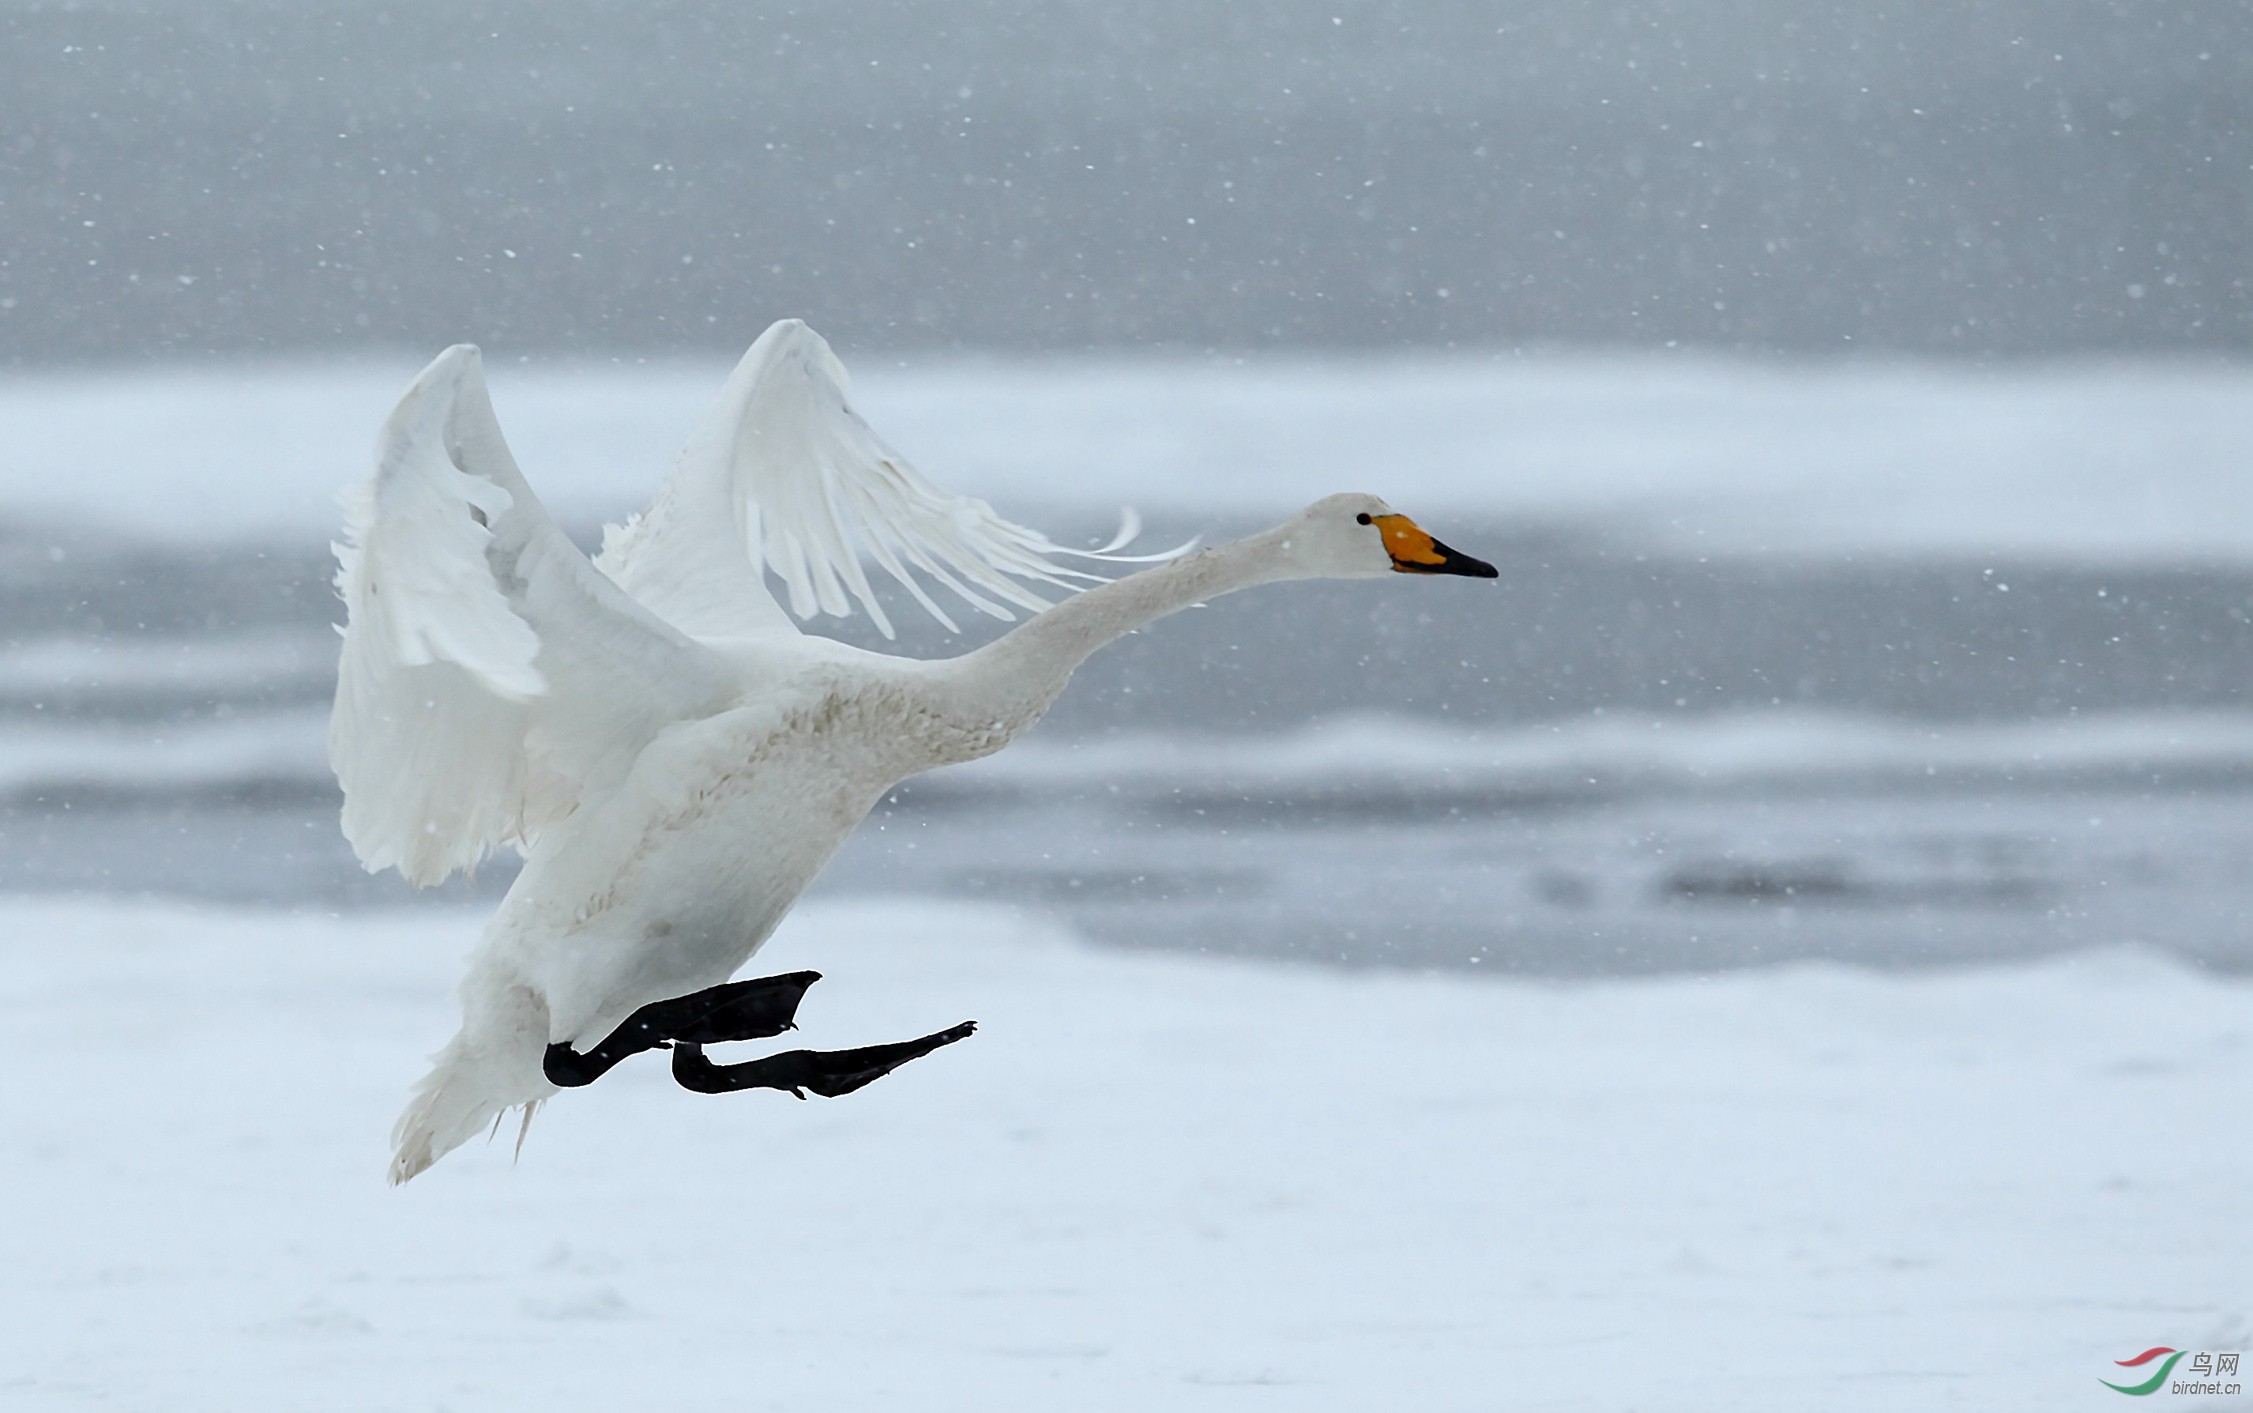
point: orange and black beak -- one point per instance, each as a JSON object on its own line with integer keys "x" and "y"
{"x": 1414, "y": 551}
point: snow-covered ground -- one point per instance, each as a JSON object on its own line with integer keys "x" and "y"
{"x": 2129, "y": 460}
{"x": 1156, "y": 1180}
{"x": 1148, "y": 1182}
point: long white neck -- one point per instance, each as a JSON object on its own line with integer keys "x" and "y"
{"x": 1017, "y": 676}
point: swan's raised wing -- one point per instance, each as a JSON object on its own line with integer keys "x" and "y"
{"x": 489, "y": 674}
{"x": 784, "y": 474}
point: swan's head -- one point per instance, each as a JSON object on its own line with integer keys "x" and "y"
{"x": 1361, "y": 537}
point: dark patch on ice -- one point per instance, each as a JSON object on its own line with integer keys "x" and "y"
{"x": 1834, "y": 883}
{"x": 1110, "y": 886}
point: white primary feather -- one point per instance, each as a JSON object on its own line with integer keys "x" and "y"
{"x": 489, "y": 675}
{"x": 783, "y": 474}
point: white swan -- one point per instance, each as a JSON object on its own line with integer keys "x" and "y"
{"x": 674, "y": 757}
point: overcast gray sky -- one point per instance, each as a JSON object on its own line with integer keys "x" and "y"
{"x": 593, "y": 175}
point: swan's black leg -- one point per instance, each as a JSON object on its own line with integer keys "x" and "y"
{"x": 828, "y": 1073}
{"x": 740, "y": 1010}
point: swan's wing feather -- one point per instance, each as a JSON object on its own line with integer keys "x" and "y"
{"x": 784, "y": 475}
{"x": 489, "y": 674}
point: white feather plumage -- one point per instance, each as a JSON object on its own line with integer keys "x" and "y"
{"x": 783, "y": 474}
{"x": 676, "y": 759}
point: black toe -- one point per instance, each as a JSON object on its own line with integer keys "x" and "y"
{"x": 829, "y": 1073}
{"x": 746, "y": 1010}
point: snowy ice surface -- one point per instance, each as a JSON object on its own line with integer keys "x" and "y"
{"x": 1148, "y": 1182}
{"x": 235, "y": 752}
{"x": 2136, "y": 460}
{"x": 1610, "y": 752}
{"x": 1781, "y": 747}
{"x": 36, "y": 668}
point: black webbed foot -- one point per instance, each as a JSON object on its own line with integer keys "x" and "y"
{"x": 740, "y": 1010}
{"x": 743, "y": 1010}
{"x": 828, "y": 1073}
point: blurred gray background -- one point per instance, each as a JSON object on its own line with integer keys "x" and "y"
{"x": 180, "y": 177}
{"x": 267, "y": 186}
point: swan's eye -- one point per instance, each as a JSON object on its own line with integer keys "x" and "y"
{"x": 1363, "y": 517}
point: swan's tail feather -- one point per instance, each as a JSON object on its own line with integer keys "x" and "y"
{"x": 524, "y": 1131}
{"x": 491, "y": 1067}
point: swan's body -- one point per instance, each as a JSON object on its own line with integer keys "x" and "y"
{"x": 675, "y": 758}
